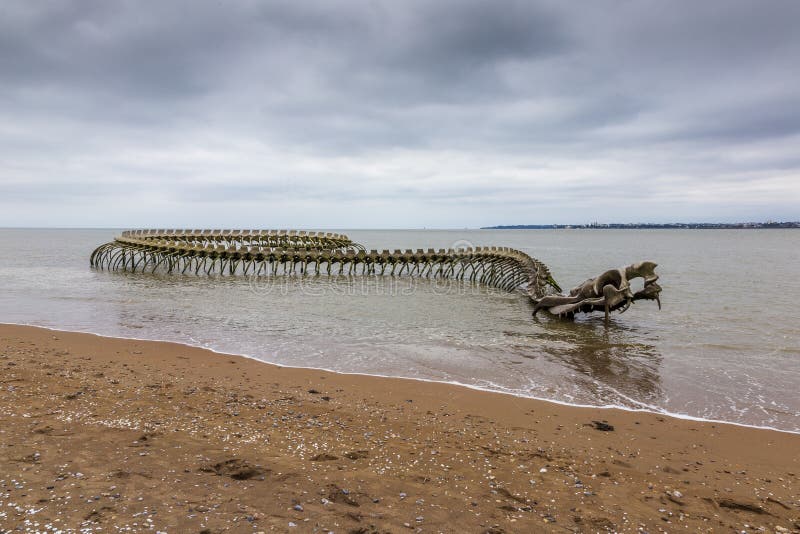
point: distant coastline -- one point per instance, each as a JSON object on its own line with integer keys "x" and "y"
{"x": 648, "y": 226}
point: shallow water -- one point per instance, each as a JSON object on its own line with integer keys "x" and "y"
{"x": 726, "y": 346}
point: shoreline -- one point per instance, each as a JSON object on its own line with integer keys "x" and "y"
{"x": 654, "y": 411}
{"x": 112, "y": 432}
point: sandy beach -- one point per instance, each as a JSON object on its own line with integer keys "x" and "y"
{"x": 102, "y": 434}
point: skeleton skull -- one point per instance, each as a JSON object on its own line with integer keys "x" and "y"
{"x": 609, "y": 291}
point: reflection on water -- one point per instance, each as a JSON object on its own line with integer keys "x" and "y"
{"x": 708, "y": 353}
{"x": 609, "y": 359}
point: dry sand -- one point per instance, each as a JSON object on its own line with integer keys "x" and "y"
{"x": 102, "y": 434}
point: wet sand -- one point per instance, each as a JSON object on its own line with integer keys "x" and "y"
{"x": 120, "y": 435}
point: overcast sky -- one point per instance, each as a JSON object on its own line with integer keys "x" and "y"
{"x": 397, "y": 114}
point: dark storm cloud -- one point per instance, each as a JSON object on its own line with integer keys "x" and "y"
{"x": 423, "y": 105}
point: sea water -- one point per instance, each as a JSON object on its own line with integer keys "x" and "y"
{"x": 725, "y": 346}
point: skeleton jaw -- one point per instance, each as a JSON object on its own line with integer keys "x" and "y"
{"x": 608, "y": 292}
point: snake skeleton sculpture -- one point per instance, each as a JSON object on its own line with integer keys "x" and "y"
{"x": 300, "y": 253}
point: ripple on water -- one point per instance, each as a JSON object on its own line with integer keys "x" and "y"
{"x": 709, "y": 353}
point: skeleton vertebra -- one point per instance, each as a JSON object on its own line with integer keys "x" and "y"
{"x": 290, "y": 252}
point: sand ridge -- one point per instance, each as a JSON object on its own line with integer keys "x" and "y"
{"x": 101, "y": 434}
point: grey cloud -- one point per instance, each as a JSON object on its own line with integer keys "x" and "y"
{"x": 418, "y": 103}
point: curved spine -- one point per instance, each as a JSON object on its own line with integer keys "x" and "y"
{"x": 289, "y": 252}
